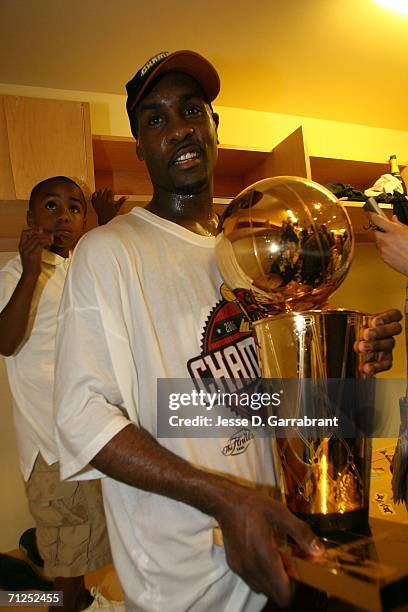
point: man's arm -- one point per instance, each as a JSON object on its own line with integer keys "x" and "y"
{"x": 14, "y": 316}
{"x": 248, "y": 518}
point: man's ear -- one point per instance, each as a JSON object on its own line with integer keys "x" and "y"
{"x": 216, "y": 119}
{"x": 30, "y": 218}
{"x": 139, "y": 151}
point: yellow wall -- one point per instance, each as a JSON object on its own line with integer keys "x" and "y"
{"x": 246, "y": 128}
{"x": 371, "y": 286}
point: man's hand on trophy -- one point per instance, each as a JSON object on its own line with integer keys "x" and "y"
{"x": 377, "y": 341}
{"x": 251, "y": 526}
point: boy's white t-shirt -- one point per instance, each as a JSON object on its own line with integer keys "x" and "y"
{"x": 31, "y": 369}
{"x": 141, "y": 302}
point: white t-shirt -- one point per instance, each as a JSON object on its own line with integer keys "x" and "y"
{"x": 31, "y": 370}
{"x": 142, "y": 302}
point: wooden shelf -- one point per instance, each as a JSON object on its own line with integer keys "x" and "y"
{"x": 117, "y": 167}
{"x": 360, "y": 174}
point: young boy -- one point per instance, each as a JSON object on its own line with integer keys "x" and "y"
{"x": 70, "y": 522}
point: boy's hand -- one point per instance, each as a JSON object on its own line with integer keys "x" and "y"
{"x": 377, "y": 341}
{"x": 32, "y": 242}
{"x": 105, "y": 206}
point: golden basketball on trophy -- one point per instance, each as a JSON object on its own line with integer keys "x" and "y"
{"x": 288, "y": 240}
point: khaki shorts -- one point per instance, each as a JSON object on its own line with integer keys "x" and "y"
{"x": 70, "y": 522}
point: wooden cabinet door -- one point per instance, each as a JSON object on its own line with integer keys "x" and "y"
{"x": 41, "y": 138}
{"x": 288, "y": 158}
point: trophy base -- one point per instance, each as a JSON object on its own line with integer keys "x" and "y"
{"x": 367, "y": 570}
{"x": 325, "y": 524}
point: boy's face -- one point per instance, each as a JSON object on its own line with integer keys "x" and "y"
{"x": 59, "y": 208}
{"x": 177, "y": 135}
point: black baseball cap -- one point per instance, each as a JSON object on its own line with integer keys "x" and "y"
{"x": 187, "y": 62}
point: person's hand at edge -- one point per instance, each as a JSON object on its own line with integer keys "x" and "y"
{"x": 392, "y": 242}
{"x": 105, "y": 205}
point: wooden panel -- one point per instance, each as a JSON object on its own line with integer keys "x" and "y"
{"x": 124, "y": 182}
{"x": 9, "y": 245}
{"x": 291, "y": 157}
{"x": 361, "y": 175}
{"x": 232, "y": 168}
{"x": 87, "y": 148}
{"x": 12, "y": 222}
{"x": 47, "y": 138}
{"x": 239, "y": 162}
{"x": 226, "y": 186}
{"x": 111, "y": 153}
{"x": 288, "y": 158}
{"x": 7, "y": 190}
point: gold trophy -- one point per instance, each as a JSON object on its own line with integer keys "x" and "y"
{"x": 290, "y": 243}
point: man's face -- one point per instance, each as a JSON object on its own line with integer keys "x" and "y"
{"x": 59, "y": 208}
{"x": 177, "y": 135}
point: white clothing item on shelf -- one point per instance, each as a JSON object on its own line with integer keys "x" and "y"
{"x": 387, "y": 183}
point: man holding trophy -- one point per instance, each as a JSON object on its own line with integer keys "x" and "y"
{"x": 145, "y": 301}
